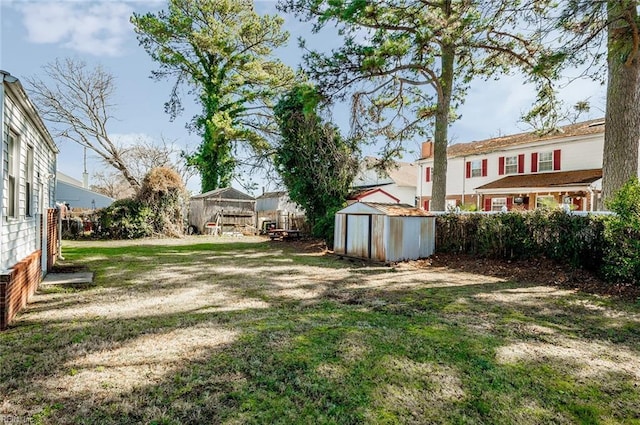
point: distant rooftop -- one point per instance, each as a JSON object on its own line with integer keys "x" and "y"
{"x": 489, "y": 145}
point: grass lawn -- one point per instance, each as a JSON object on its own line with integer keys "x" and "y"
{"x": 204, "y": 330}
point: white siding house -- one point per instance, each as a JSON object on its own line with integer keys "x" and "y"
{"x": 522, "y": 170}
{"x": 27, "y": 185}
{"x": 399, "y": 181}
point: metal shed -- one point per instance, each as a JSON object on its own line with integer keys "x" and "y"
{"x": 384, "y": 232}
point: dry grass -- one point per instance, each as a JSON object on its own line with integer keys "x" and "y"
{"x": 205, "y": 330}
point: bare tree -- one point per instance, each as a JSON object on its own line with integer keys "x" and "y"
{"x": 111, "y": 184}
{"x": 140, "y": 157}
{"x": 78, "y": 104}
{"x": 146, "y": 154}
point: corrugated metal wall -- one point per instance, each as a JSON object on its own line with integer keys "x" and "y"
{"x": 358, "y": 236}
{"x": 338, "y": 234}
{"x": 384, "y": 238}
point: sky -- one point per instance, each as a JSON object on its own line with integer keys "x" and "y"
{"x": 36, "y": 32}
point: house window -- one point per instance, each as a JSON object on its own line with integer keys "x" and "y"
{"x": 12, "y": 169}
{"x": 545, "y": 161}
{"x": 476, "y": 168}
{"x": 29, "y": 183}
{"x": 498, "y": 204}
{"x": 450, "y": 204}
{"x": 548, "y": 201}
{"x": 511, "y": 165}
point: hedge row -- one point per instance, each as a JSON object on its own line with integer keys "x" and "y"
{"x": 604, "y": 244}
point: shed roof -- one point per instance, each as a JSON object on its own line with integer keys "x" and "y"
{"x": 490, "y": 145}
{"x": 225, "y": 193}
{"x": 562, "y": 178}
{"x": 394, "y": 210}
{"x": 272, "y": 195}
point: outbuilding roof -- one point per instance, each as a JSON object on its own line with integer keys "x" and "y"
{"x": 225, "y": 193}
{"x": 393, "y": 210}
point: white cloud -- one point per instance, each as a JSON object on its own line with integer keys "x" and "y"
{"x": 98, "y": 28}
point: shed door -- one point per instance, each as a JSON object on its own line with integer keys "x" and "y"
{"x": 358, "y": 237}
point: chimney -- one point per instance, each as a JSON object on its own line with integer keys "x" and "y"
{"x": 427, "y": 149}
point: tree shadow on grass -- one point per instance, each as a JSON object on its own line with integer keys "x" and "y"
{"x": 368, "y": 347}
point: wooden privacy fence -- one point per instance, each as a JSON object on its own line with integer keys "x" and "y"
{"x": 52, "y": 236}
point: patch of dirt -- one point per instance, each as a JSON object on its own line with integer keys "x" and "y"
{"x": 536, "y": 270}
{"x": 308, "y": 245}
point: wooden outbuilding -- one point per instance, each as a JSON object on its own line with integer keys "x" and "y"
{"x": 222, "y": 210}
{"x": 384, "y": 232}
{"x": 278, "y": 210}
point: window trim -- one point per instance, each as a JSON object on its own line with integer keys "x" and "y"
{"x": 514, "y": 165}
{"x": 548, "y": 161}
{"x": 497, "y": 206}
{"x": 476, "y": 172}
{"x": 29, "y": 181}
{"x": 13, "y": 170}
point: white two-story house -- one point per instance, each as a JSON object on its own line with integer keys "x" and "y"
{"x": 395, "y": 185}
{"x": 521, "y": 171}
{"x": 27, "y": 193}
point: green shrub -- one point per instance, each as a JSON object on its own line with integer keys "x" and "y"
{"x": 571, "y": 239}
{"x": 125, "y": 219}
{"x": 621, "y": 262}
{"x": 324, "y": 226}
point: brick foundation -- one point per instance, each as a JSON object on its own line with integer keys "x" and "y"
{"x": 17, "y": 286}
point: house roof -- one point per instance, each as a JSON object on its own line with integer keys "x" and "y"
{"x": 225, "y": 193}
{"x": 489, "y": 145}
{"x": 561, "y": 178}
{"x": 402, "y": 174}
{"x": 394, "y": 210}
{"x": 14, "y": 84}
{"x": 365, "y": 193}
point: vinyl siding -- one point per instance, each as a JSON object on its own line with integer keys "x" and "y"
{"x": 577, "y": 153}
{"x": 21, "y": 234}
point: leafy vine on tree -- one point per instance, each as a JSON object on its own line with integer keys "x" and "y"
{"x": 316, "y": 164}
{"x": 222, "y": 49}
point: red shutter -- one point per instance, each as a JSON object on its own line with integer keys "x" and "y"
{"x": 556, "y": 160}
{"x": 501, "y": 165}
{"x": 534, "y": 162}
{"x": 484, "y": 168}
{"x": 521, "y": 163}
{"x": 509, "y": 203}
{"x": 487, "y": 204}
{"x": 468, "y": 169}
{"x": 426, "y": 205}
{"x": 428, "y": 174}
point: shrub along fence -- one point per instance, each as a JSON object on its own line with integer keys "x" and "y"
{"x": 606, "y": 244}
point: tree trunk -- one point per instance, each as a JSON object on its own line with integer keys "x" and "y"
{"x": 440, "y": 137}
{"x": 622, "y": 119}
